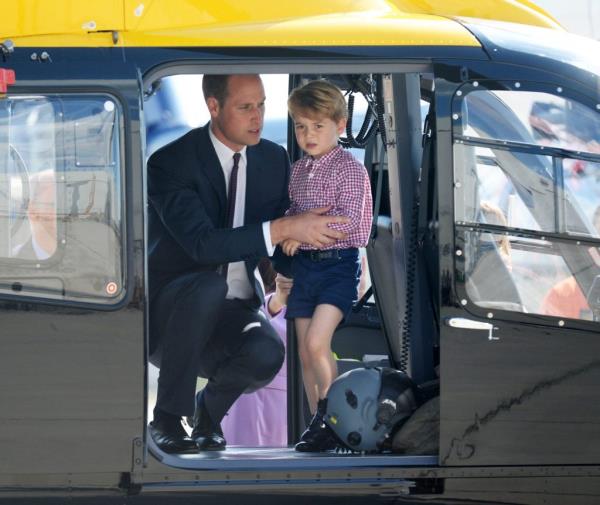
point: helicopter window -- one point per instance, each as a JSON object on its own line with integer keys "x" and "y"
{"x": 60, "y": 198}
{"x": 547, "y": 121}
{"x": 582, "y": 182}
{"x": 505, "y": 188}
{"x": 527, "y": 165}
{"x": 543, "y": 119}
{"x": 516, "y": 273}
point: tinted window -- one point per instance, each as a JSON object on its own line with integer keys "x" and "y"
{"x": 60, "y": 198}
{"x": 527, "y": 165}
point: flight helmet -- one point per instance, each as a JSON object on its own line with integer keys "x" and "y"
{"x": 367, "y": 405}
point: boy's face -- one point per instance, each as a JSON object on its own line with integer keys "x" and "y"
{"x": 317, "y": 135}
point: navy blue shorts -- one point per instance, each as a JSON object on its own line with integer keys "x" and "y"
{"x": 317, "y": 280}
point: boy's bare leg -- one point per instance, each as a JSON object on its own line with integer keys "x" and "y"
{"x": 319, "y": 364}
{"x": 308, "y": 376}
{"x": 318, "y": 345}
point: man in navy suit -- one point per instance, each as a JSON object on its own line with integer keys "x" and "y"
{"x": 204, "y": 287}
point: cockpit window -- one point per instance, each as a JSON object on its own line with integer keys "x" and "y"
{"x": 555, "y": 193}
{"x": 543, "y": 119}
{"x": 527, "y": 180}
{"x": 60, "y": 198}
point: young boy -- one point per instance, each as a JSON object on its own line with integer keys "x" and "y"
{"x": 326, "y": 280}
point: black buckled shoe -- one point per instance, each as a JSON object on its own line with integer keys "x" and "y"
{"x": 172, "y": 439}
{"x": 207, "y": 435}
{"x": 317, "y": 437}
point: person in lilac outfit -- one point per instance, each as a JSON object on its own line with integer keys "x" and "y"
{"x": 259, "y": 419}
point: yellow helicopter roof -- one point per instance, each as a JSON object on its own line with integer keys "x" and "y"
{"x": 254, "y": 23}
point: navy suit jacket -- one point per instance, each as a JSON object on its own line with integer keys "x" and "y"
{"x": 188, "y": 204}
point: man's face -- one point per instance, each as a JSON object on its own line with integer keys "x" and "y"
{"x": 238, "y": 121}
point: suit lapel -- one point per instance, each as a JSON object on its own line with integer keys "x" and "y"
{"x": 210, "y": 166}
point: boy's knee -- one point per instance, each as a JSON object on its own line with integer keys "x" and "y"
{"x": 315, "y": 348}
{"x": 303, "y": 353}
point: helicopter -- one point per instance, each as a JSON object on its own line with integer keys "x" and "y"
{"x": 480, "y": 128}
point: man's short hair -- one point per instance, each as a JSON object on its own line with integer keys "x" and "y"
{"x": 318, "y": 98}
{"x": 215, "y": 86}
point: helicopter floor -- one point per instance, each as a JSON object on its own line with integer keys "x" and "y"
{"x": 245, "y": 458}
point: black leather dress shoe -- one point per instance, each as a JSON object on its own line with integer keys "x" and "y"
{"x": 207, "y": 434}
{"x": 171, "y": 439}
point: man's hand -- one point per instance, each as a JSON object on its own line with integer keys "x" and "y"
{"x": 290, "y": 246}
{"x": 311, "y": 227}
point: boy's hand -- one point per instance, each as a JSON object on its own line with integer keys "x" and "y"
{"x": 283, "y": 286}
{"x": 290, "y": 246}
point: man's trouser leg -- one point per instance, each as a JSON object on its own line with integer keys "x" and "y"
{"x": 183, "y": 316}
{"x": 244, "y": 353}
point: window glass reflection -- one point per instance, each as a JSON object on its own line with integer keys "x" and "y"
{"x": 520, "y": 274}
{"x": 60, "y": 198}
{"x": 540, "y": 118}
{"x": 518, "y": 185}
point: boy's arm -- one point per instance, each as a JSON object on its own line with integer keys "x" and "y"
{"x": 353, "y": 198}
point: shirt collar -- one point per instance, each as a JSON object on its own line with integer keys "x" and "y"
{"x": 326, "y": 158}
{"x": 224, "y": 153}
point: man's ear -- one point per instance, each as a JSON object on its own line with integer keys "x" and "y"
{"x": 341, "y": 126}
{"x": 213, "y": 106}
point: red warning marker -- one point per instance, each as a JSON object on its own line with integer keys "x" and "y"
{"x": 7, "y": 77}
{"x": 111, "y": 288}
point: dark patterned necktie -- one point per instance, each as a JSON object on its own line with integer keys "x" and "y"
{"x": 231, "y": 191}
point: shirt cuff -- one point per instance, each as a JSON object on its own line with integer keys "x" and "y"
{"x": 266, "y": 226}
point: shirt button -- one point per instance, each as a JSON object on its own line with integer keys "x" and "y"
{"x": 310, "y": 175}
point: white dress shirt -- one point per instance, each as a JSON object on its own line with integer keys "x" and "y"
{"x": 237, "y": 278}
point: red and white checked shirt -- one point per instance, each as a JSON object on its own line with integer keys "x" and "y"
{"x": 340, "y": 180}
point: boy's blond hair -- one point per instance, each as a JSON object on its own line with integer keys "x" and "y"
{"x": 318, "y": 98}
